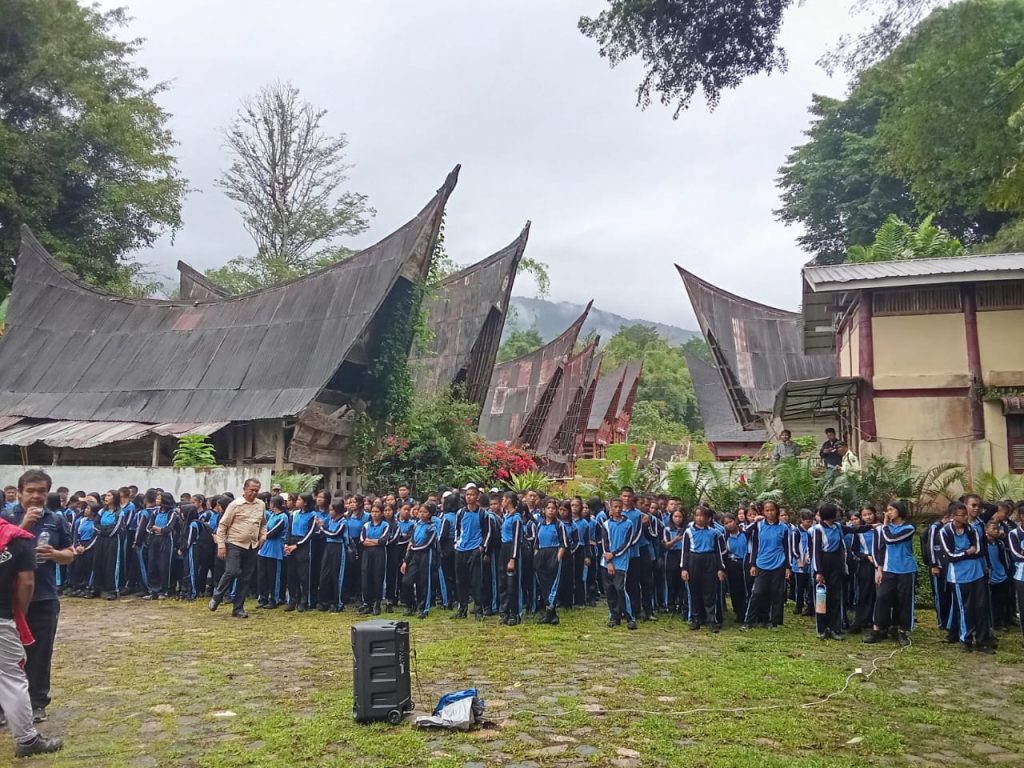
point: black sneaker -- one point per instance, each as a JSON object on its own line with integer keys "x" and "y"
{"x": 715, "y": 628}
{"x": 989, "y": 649}
{"x": 822, "y": 636}
{"x": 875, "y": 637}
{"x": 290, "y": 607}
{"x": 630, "y": 624}
{"x": 38, "y": 714}
{"x": 612, "y": 623}
{"x": 240, "y": 613}
{"x": 421, "y": 615}
{"x": 212, "y": 605}
{"x": 40, "y": 745}
{"x": 694, "y": 626}
{"x": 744, "y": 627}
{"x": 300, "y": 608}
{"x": 903, "y": 639}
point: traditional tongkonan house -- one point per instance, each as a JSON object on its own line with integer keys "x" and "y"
{"x": 276, "y": 377}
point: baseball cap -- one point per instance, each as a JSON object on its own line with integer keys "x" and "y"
{"x": 469, "y": 486}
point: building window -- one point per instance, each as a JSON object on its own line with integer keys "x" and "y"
{"x": 917, "y": 301}
{"x": 1015, "y": 442}
{"x": 1006, "y": 295}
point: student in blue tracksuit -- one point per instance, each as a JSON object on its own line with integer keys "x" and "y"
{"x": 528, "y": 579}
{"x": 864, "y": 558}
{"x": 107, "y": 567}
{"x": 446, "y": 579}
{"x": 470, "y": 528}
{"x": 418, "y": 562}
{"x": 1015, "y": 550}
{"x": 161, "y": 535}
{"x": 829, "y": 565}
{"x": 672, "y": 543}
{"x": 895, "y": 574}
{"x": 490, "y": 568}
{"x": 964, "y": 552}
{"x": 999, "y": 587}
{"x": 398, "y": 539}
{"x": 737, "y": 566}
{"x": 355, "y": 519}
{"x": 270, "y": 570}
{"x": 565, "y": 572}
{"x": 595, "y": 573}
{"x": 551, "y": 547}
{"x": 187, "y": 549}
{"x": 83, "y": 540}
{"x": 638, "y": 520}
{"x": 703, "y": 570}
{"x": 617, "y": 534}
{"x": 331, "y": 593}
{"x": 800, "y": 564}
{"x": 580, "y": 553}
{"x": 374, "y": 541}
{"x": 298, "y": 554}
{"x": 130, "y": 581}
{"x": 770, "y": 555}
{"x": 510, "y": 560}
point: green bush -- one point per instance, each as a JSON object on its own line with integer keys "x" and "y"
{"x": 625, "y": 451}
{"x": 592, "y": 468}
{"x": 194, "y": 451}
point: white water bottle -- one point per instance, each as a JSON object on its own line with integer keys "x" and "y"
{"x": 42, "y": 541}
{"x": 820, "y": 599}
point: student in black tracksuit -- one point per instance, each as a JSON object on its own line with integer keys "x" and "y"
{"x": 374, "y": 540}
{"x": 864, "y": 556}
{"x": 770, "y": 558}
{"x": 737, "y": 565}
{"x": 703, "y": 570}
{"x": 161, "y": 535}
{"x": 490, "y": 568}
{"x": 418, "y": 563}
{"x": 829, "y": 565}
{"x": 107, "y": 566}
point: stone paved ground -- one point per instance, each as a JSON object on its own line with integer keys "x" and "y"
{"x": 146, "y": 686}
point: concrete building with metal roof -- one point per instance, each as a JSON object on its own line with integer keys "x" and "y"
{"x": 935, "y": 350}
{"x": 275, "y": 376}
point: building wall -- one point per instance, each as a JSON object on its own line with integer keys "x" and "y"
{"x": 919, "y": 352}
{"x": 938, "y": 427}
{"x": 995, "y": 435}
{"x": 1001, "y": 343}
{"x": 205, "y": 481}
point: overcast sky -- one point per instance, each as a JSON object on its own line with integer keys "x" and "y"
{"x": 543, "y": 128}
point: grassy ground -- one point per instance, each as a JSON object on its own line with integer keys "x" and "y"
{"x": 141, "y": 685}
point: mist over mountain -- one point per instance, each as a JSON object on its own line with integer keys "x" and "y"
{"x": 550, "y": 318}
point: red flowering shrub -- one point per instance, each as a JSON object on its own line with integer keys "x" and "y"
{"x": 501, "y": 460}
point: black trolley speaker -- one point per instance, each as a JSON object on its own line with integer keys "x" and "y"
{"x": 381, "y": 689}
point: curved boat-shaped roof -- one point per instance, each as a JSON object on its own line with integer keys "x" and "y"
{"x": 720, "y": 424}
{"x": 519, "y": 386}
{"x": 757, "y": 348}
{"x": 467, "y": 315}
{"x": 558, "y": 436}
{"x": 73, "y": 351}
{"x": 193, "y": 284}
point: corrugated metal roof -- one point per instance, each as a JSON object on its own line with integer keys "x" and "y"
{"x": 517, "y": 386}
{"x": 757, "y": 348}
{"x": 467, "y": 316}
{"x": 720, "y": 423}
{"x": 606, "y": 398}
{"x": 558, "y": 435}
{"x": 907, "y": 272}
{"x": 72, "y": 351}
{"x": 90, "y": 434}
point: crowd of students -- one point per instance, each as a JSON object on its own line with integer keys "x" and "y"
{"x": 507, "y": 556}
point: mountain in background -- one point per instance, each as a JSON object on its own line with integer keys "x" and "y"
{"x": 550, "y": 318}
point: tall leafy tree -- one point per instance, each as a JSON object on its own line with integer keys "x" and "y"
{"x": 929, "y": 129}
{"x": 287, "y": 176}
{"x": 85, "y": 153}
{"x": 707, "y": 46}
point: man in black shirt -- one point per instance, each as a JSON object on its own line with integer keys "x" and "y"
{"x": 829, "y": 453}
{"x": 17, "y": 582}
{"x": 53, "y": 548}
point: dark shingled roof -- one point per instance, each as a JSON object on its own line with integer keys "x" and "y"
{"x": 521, "y": 391}
{"x": 757, "y": 348}
{"x": 720, "y": 424}
{"x": 606, "y": 398}
{"x": 74, "y": 352}
{"x": 193, "y": 284}
{"x": 467, "y": 315}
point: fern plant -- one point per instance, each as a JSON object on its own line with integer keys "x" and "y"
{"x": 296, "y": 482}
{"x": 194, "y": 451}
{"x": 992, "y": 487}
{"x": 897, "y": 240}
{"x": 533, "y": 480}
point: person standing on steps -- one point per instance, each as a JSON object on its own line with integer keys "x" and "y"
{"x": 53, "y": 548}
{"x": 240, "y": 534}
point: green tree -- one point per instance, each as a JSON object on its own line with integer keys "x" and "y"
{"x": 896, "y": 240}
{"x": 691, "y": 46}
{"x": 891, "y": 148}
{"x": 519, "y": 343}
{"x": 286, "y": 175}
{"x": 85, "y": 153}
